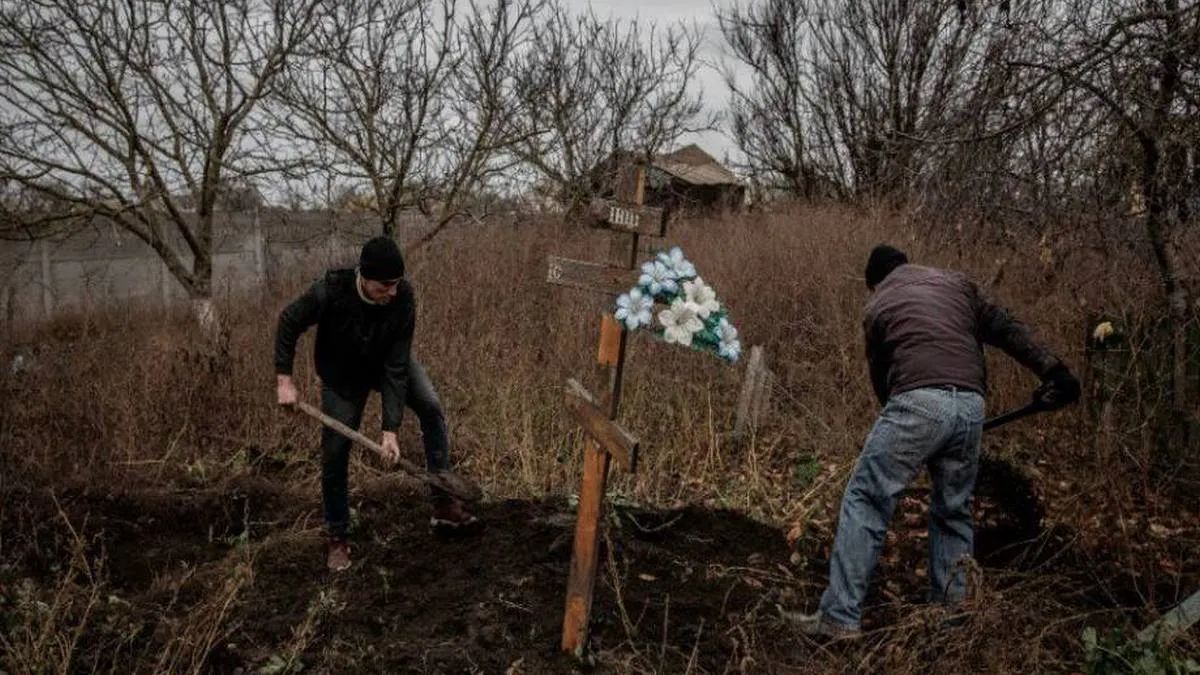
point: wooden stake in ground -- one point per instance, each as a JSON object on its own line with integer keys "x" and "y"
{"x": 756, "y": 394}
{"x": 628, "y": 219}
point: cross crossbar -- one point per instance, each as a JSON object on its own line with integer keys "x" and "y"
{"x": 612, "y": 437}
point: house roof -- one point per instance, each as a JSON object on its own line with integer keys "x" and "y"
{"x": 695, "y": 166}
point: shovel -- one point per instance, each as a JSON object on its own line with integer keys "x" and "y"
{"x": 449, "y": 482}
{"x": 1014, "y": 415}
{"x": 1043, "y": 400}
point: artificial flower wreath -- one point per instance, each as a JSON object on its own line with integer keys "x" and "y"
{"x": 693, "y": 316}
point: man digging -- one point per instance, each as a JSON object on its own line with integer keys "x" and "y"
{"x": 925, "y": 332}
{"x": 365, "y": 319}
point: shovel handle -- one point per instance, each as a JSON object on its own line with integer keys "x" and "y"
{"x": 1013, "y": 415}
{"x": 452, "y": 483}
{"x": 315, "y": 413}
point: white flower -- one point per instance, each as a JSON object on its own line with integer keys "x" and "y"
{"x": 677, "y": 264}
{"x": 702, "y": 295}
{"x": 657, "y": 278}
{"x": 680, "y": 322}
{"x": 728, "y": 345}
{"x": 634, "y": 308}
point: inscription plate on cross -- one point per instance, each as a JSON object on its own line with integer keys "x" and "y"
{"x": 622, "y": 217}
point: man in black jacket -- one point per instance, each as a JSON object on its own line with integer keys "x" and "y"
{"x": 365, "y": 319}
{"x": 925, "y": 332}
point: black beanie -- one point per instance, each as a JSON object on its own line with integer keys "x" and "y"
{"x": 883, "y": 260}
{"x": 381, "y": 260}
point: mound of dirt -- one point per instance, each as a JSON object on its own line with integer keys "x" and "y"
{"x": 233, "y": 580}
{"x": 238, "y": 574}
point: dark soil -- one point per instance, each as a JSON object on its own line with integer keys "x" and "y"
{"x": 236, "y": 575}
{"x": 675, "y": 584}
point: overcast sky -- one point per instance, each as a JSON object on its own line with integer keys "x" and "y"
{"x": 708, "y": 79}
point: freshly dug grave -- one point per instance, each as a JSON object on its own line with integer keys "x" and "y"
{"x": 232, "y": 579}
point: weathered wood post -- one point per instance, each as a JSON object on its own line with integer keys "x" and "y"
{"x": 755, "y": 398}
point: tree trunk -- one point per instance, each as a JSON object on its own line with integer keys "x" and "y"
{"x": 1159, "y": 230}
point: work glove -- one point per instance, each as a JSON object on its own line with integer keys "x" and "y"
{"x": 1059, "y": 389}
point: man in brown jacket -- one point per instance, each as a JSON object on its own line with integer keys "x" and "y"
{"x": 925, "y": 331}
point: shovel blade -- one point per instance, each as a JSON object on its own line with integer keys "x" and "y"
{"x": 457, "y": 485}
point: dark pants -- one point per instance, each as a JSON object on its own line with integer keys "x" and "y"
{"x": 335, "y": 448}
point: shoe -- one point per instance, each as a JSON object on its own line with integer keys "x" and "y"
{"x": 338, "y": 558}
{"x": 817, "y": 625}
{"x": 449, "y": 515}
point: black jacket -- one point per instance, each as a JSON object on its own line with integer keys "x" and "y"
{"x": 359, "y": 346}
{"x": 926, "y": 327}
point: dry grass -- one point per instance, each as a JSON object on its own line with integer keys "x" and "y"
{"x": 48, "y": 623}
{"x": 126, "y": 399}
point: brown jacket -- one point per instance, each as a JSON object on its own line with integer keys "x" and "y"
{"x": 926, "y": 327}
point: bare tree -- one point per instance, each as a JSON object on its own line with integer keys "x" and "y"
{"x": 483, "y": 103}
{"x": 123, "y": 109}
{"x": 1047, "y": 107}
{"x": 770, "y": 117}
{"x": 408, "y": 99}
{"x": 591, "y": 88}
{"x": 1137, "y": 66}
{"x": 845, "y": 97}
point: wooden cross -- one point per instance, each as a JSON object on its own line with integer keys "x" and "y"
{"x": 629, "y": 220}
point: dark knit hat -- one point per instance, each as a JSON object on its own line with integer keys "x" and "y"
{"x": 883, "y": 260}
{"x": 381, "y": 260}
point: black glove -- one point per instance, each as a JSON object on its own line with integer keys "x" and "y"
{"x": 1059, "y": 389}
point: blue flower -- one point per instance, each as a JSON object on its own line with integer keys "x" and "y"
{"x": 728, "y": 345}
{"x": 657, "y": 278}
{"x": 679, "y": 266}
{"x": 634, "y": 309}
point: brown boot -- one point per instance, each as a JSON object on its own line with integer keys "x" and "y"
{"x": 338, "y": 558}
{"x": 449, "y": 515}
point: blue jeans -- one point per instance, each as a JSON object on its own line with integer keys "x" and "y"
{"x": 936, "y": 428}
{"x": 347, "y": 408}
